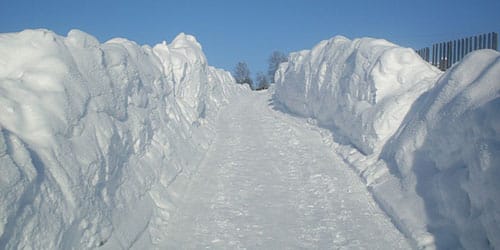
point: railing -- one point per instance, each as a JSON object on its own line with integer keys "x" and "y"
{"x": 445, "y": 54}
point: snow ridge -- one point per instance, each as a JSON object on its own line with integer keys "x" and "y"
{"x": 93, "y": 133}
{"x": 362, "y": 87}
{"x": 426, "y": 143}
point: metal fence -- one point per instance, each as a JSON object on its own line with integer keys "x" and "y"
{"x": 445, "y": 54}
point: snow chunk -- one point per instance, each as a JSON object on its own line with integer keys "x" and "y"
{"x": 79, "y": 38}
{"x": 189, "y": 47}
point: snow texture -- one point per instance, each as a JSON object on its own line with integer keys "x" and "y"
{"x": 99, "y": 142}
{"x": 363, "y": 88}
{"x": 426, "y": 143}
{"x": 448, "y": 151}
{"x": 269, "y": 182}
{"x": 91, "y": 134}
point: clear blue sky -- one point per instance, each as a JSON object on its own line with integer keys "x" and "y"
{"x": 232, "y": 31}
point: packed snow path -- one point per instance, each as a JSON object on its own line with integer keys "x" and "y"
{"x": 269, "y": 182}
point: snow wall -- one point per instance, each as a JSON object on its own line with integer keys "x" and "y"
{"x": 426, "y": 143}
{"x": 96, "y": 139}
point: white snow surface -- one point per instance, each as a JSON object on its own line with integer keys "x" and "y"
{"x": 269, "y": 182}
{"x": 448, "y": 151}
{"x": 118, "y": 146}
{"x": 93, "y": 136}
{"x": 363, "y": 87}
{"x": 426, "y": 143}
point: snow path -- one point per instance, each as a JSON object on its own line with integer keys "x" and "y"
{"x": 269, "y": 182}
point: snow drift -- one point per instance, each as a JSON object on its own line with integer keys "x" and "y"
{"x": 363, "y": 88}
{"x": 428, "y": 143}
{"x": 96, "y": 137}
{"x": 448, "y": 150}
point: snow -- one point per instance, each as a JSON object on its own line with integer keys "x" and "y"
{"x": 94, "y": 136}
{"x": 363, "y": 87}
{"x": 425, "y": 143}
{"x": 269, "y": 182}
{"x": 116, "y": 145}
{"x": 448, "y": 151}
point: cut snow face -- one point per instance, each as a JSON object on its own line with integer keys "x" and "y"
{"x": 361, "y": 88}
{"x": 448, "y": 150}
{"x": 91, "y": 134}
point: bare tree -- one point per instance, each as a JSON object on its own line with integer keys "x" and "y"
{"x": 262, "y": 82}
{"x": 276, "y": 58}
{"x": 242, "y": 74}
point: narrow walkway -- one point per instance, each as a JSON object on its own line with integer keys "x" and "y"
{"x": 269, "y": 182}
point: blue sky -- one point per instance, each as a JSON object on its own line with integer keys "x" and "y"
{"x": 232, "y": 31}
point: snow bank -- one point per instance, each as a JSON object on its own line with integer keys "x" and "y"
{"x": 449, "y": 152}
{"x": 362, "y": 88}
{"x": 95, "y": 138}
{"x": 429, "y": 142}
